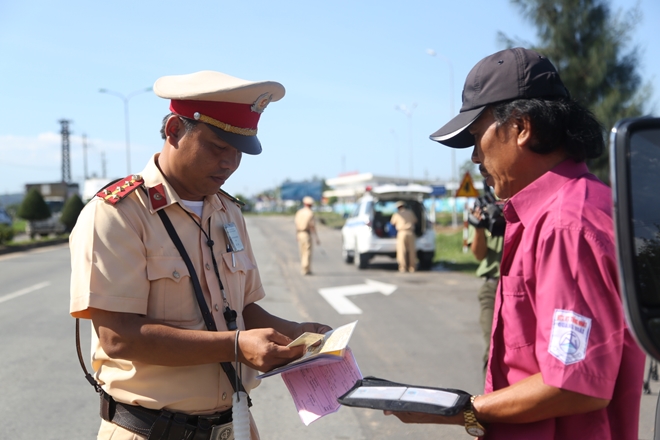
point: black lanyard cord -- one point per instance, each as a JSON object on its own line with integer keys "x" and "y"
{"x": 228, "y": 368}
{"x": 208, "y": 318}
{"x": 228, "y": 313}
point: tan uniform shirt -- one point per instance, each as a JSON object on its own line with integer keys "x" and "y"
{"x": 304, "y": 219}
{"x": 123, "y": 260}
{"x": 404, "y": 220}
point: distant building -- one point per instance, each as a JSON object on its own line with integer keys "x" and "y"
{"x": 350, "y": 186}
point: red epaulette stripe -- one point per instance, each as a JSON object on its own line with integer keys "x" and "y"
{"x": 120, "y": 189}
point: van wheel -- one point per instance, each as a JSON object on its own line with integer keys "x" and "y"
{"x": 346, "y": 255}
{"x": 426, "y": 260}
{"x": 362, "y": 260}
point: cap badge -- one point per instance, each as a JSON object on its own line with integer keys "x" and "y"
{"x": 262, "y": 101}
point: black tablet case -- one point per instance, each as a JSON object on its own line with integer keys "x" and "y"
{"x": 398, "y": 405}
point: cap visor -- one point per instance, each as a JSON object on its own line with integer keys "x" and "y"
{"x": 455, "y": 133}
{"x": 245, "y": 144}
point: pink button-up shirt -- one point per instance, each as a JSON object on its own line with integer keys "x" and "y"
{"x": 558, "y": 310}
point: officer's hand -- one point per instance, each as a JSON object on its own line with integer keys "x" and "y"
{"x": 311, "y": 327}
{"x": 264, "y": 349}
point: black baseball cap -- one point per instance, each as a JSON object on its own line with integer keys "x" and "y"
{"x": 516, "y": 73}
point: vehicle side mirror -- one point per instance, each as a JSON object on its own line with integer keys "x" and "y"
{"x": 635, "y": 167}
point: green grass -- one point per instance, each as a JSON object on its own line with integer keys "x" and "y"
{"x": 19, "y": 225}
{"x": 330, "y": 219}
{"x": 449, "y": 251}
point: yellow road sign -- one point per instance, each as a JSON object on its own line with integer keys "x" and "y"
{"x": 467, "y": 189}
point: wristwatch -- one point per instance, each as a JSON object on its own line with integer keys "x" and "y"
{"x": 472, "y": 425}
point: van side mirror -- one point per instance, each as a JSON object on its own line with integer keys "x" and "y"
{"x": 635, "y": 168}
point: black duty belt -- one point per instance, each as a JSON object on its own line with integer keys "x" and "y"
{"x": 163, "y": 424}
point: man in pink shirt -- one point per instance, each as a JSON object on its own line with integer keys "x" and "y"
{"x": 562, "y": 363}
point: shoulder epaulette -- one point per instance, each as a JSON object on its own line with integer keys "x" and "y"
{"x": 232, "y": 198}
{"x": 117, "y": 190}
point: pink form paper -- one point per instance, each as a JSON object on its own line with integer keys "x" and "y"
{"x": 315, "y": 389}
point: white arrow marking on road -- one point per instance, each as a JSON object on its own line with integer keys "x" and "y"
{"x": 24, "y": 291}
{"x": 336, "y": 296}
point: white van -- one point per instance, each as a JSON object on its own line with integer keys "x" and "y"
{"x": 368, "y": 232}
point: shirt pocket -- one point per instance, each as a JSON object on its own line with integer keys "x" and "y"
{"x": 237, "y": 264}
{"x": 517, "y": 316}
{"x": 171, "y": 295}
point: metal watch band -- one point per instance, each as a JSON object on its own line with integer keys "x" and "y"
{"x": 472, "y": 425}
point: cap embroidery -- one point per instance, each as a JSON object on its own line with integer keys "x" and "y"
{"x": 262, "y": 101}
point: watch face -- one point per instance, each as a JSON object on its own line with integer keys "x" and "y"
{"x": 475, "y": 431}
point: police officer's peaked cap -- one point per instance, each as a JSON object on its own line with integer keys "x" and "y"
{"x": 230, "y": 106}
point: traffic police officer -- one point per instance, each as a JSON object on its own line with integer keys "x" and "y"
{"x": 305, "y": 228}
{"x": 404, "y": 221}
{"x": 158, "y": 366}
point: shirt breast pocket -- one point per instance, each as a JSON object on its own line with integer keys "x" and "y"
{"x": 238, "y": 264}
{"x": 171, "y": 296}
{"x": 517, "y": 316}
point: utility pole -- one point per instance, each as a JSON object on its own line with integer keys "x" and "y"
{"x": 408, "y": 112}
{"x": 396, "y": 153}
{"x": 84, "y": 139}
{"x": 125, "y": 99}
{"x": 103, "y": 165}
{"x": 454, "y": 179}
{"x": 66, "y": 161}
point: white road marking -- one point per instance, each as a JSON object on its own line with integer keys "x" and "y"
{"x": 24, "y": 291}
{"x": 336, "y": 296}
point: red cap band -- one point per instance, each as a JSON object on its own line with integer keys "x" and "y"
{"x": 237, "y": 115}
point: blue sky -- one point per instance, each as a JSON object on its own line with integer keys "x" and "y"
{"x": 346, "y": 65}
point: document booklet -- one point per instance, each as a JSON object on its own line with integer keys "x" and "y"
{"x": 315, "y": 388}
{"x": 319, "y": 348}
{"x": 375, "y": 393}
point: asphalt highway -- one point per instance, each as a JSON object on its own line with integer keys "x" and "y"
{"x": 425, "y": 332}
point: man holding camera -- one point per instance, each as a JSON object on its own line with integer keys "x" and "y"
{"x": 486, "y": 237}
{"x": 562, "y": 364}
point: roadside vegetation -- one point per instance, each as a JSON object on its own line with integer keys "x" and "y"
{"x": 449, "y": 251}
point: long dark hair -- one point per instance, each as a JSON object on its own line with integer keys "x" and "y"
{"x": 556, "y": 123}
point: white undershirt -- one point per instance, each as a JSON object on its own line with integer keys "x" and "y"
{"x": 195, "y": 206}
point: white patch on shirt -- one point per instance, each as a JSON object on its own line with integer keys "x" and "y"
{"x": 569, "y": 337}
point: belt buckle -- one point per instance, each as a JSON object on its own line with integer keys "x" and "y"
{"x": 222, "y": 432}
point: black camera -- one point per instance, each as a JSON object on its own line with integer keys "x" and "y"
{"x": 491, "y": 213}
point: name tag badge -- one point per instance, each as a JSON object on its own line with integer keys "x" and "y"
{"x": 234, "y": 237}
